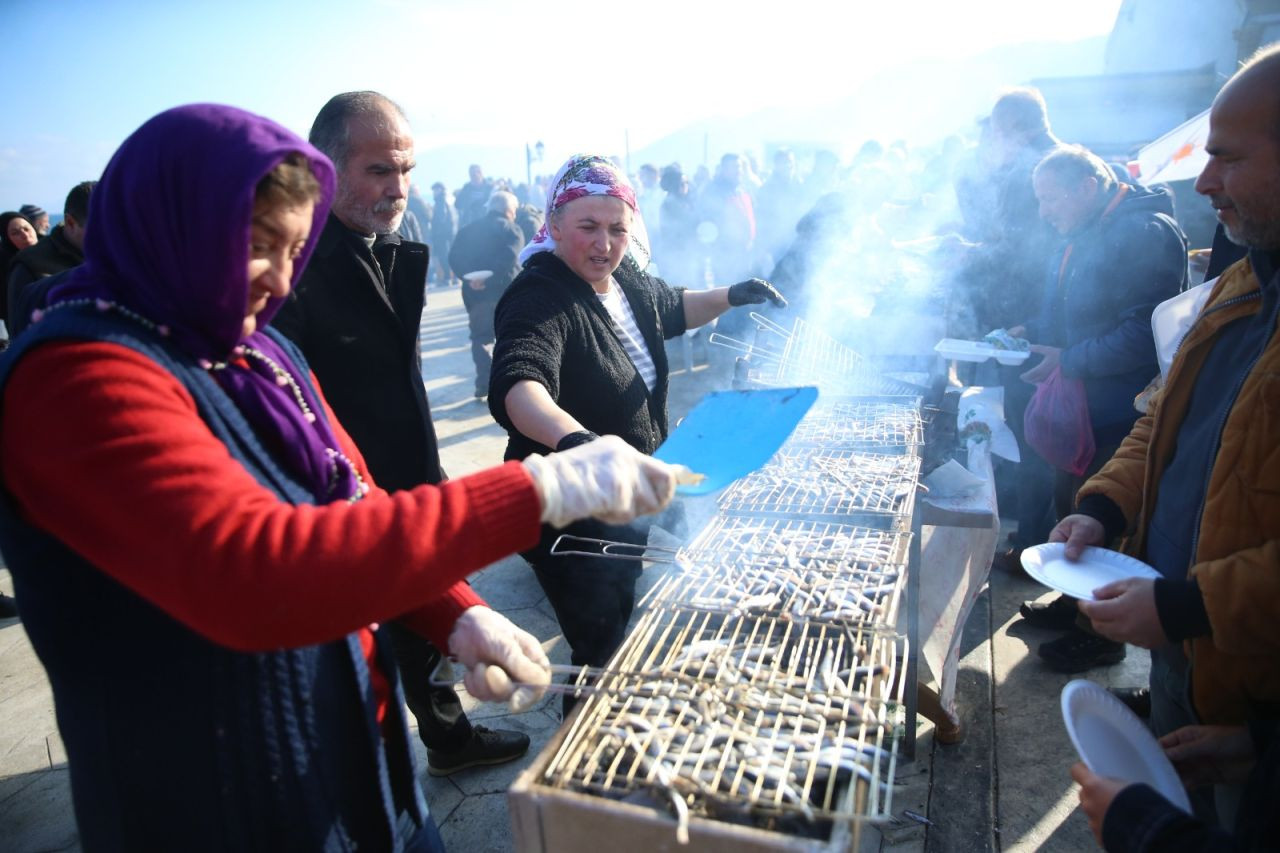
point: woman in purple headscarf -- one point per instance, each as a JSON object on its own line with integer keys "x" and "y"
{"x": 199, "y": 555}
{"x": 579, "y": 354}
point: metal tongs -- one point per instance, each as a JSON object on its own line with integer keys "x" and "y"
{"x": 612, "y": 548}
{"x": 445, "y": 675}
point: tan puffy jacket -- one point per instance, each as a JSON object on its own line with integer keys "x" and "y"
{"x": 1236, "y": 670}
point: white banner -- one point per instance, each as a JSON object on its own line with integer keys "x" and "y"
{"x": 1179, "y": 155}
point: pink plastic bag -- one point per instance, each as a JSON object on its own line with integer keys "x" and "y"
{"x": 1057, "y": 425}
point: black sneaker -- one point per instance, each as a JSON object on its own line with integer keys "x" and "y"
{"x": 1077, "y": 651}
{"x": 8, "y": 606}
{"x": 487, "y": 746}
{"x": 1009, "y": 560}
{"x": 1057, "y": 615}
{"x": 1136, "y": 699}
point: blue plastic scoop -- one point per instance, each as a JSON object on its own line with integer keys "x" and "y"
{"x": 731, "y": 433}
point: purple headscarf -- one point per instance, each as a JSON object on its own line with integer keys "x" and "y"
{"x": 170, "y": 242}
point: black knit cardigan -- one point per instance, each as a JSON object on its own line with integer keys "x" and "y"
{"x": 552, "y": 329}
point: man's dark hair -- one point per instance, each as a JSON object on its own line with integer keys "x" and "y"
{"x": 1073, "y": 164}
{"x": 672, "y": 175}
{"x": 1022, "y": 110}
{"x": 331, "y": 131}
{"x": 77, "y": 203}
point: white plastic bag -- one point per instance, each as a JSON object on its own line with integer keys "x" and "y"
{"x": 1172, "y": 319}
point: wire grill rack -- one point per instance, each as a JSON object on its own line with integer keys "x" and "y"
{"x": 879, "y": 425}
{"x": 803, "y": 355}
{"x": 737, "y": 717}
{"x": 874, "y": 489}
{"x": 792, "y": 569}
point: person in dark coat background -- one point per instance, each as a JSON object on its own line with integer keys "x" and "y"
{"x": 63, "y": 250}
{"x": 1003, "y": 275}
{"x": 1123, "y": 255}
{"x": 355, "y": 314}
{"x": 493, "y": 244}
{"x": 444, "y": 227}
{"x": 472, "y": 196}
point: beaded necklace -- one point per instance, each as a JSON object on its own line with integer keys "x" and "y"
{"x": 283, "y": 378}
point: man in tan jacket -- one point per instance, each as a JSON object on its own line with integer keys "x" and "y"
{"x": 1195, "y": 488}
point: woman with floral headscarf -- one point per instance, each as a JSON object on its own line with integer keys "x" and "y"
{"x": 199, "y": 555}
{"x": 579, "y": 354}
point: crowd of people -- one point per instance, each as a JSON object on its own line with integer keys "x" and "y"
{"x": 217, "y": 446}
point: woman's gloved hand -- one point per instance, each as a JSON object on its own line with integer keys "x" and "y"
{"x": 606, "y": 479}
{"x": 754, "y": 291}
{"x": 496, "y": 653}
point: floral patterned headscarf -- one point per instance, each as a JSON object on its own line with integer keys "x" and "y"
{"x": 590, "y": 174}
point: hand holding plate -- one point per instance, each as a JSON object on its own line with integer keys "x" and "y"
{"x": 1078, "y": 531}
{"x": 1125, "y": 611}
{"x": 1096, "y": 794}
{"x": 1211, "y": 755}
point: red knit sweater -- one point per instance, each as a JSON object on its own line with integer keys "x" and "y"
{"x": 104, "y": 449}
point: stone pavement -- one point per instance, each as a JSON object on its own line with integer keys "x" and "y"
{"x": 1005, "y": 788}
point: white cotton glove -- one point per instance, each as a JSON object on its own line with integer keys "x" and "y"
{"x": 606, "y": 479}
{"x": 495, "y": 653}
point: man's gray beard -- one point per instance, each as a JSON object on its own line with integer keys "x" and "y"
{"x": 1263, "y": 237}
{"x": 369, "y": 222}
{"x": 395, "y": 221}
{"x": 393, "y": 228}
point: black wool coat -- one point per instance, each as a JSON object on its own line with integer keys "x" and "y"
{"x": 552, "y": 329}
{"x": 492, "y": 243}
{"x": 361, "y": 339}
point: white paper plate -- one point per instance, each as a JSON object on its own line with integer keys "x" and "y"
{"x": 478, "y": 275}
{"x": 1096, "y": 567}
{"x": 1113, "y": 742}
{"x": 962, "y": 350}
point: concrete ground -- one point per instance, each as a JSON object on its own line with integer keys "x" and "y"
{"x": 1005, "y": 788}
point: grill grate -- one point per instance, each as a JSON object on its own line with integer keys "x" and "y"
{"x": 828, "y": 483}
{"x": 741, "y": 716}
{"x": 803, "y": 355}
{"x": 871, "y": 425}
{"x": 813, "y": 357}
{"x": 791, "y": 568}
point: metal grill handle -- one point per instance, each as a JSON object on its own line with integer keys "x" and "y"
{"x": 614, "y": 550}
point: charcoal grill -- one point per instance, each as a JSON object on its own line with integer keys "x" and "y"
{"x": 803, "y": 355}
{"x": 877, "y": 490}
{"x": 779, "y": 722}
{"x": 874, "y": 425}
{"x": 791, "y": 569}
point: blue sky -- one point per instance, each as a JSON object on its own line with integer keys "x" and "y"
{"x": 494, "y": 72}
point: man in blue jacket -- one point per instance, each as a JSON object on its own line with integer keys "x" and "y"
{"x": 1122, "y": 255}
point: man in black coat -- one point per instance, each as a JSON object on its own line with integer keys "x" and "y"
{"x": 355, "y": 314}
{"x": 63, "y": 250}
{"x": 1122, "y": 254}
{"x": 490, "y": 244}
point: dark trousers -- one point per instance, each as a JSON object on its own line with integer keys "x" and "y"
{"x": 593, "y": 598}
{"x": 441, "y": 723}
{"x": 1032, "y": 478}
{"x": 480, "y": 324}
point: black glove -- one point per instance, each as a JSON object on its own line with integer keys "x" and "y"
{"x": 573, "y": 439}
{"x": 754, "y": 291}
